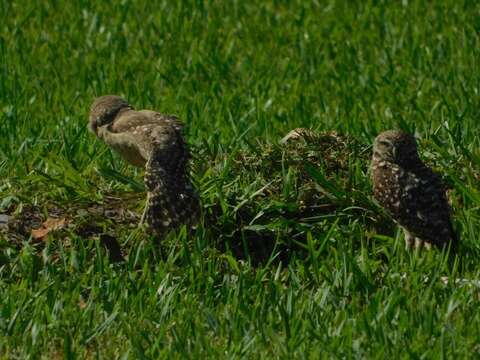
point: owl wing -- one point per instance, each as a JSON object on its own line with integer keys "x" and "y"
{"x": 427, "y": 212}
{"x": 171, "y": 198}
{"x": 133, "y": 119}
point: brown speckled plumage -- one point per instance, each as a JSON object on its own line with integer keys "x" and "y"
{"x": 150, "y": 139}
{"x": 410, "y": 191}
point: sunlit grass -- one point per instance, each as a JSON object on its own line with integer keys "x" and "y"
{"x": 260, "y": 278}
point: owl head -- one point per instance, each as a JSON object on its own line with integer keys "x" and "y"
{"x": 104, "y": 109}
{"x": 395, "y": 146}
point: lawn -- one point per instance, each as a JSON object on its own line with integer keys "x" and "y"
{"x": 293, "y": 259}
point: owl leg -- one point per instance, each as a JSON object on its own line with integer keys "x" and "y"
{"x": 422, "y": 244}
{"x": 145, "y": 210}
{"x": 409, "y": 239}
{"x": 418, "y": 243}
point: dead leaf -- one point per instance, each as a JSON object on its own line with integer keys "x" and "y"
{"x": 40, "y": 233}
{"x": 51, "y": 224}
{"x": 54, "y": 224}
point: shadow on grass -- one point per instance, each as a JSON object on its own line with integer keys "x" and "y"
{"x": 260, "y": 202}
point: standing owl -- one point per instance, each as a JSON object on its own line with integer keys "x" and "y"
{"x": 148, "y": 138}
{"x": 410, "y": 191}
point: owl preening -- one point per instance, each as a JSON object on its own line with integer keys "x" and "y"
{"x": 411, "y": 192}
{"x": 148, "y": 138}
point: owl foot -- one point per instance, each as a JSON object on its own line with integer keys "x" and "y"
{"x": 414, "y": 242}
{"x": 422, "y": 244}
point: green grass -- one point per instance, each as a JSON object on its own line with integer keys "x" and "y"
{"x": 260, "y": 279}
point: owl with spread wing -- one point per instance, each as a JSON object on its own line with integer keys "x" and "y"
{"x": 146, "y": 138}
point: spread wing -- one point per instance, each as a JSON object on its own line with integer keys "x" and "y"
{"x": 150, "y": 139}
{"x": 171, "y": 198}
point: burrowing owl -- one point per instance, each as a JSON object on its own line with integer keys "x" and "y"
{"x": 410, "y": 191}
{"x": 148, "y": 138}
